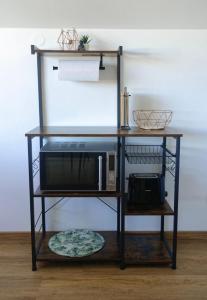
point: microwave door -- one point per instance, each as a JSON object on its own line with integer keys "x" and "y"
{"x": 87, "y": 171}
{"x": 73, "y": 171}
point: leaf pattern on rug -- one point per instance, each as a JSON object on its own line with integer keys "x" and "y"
{"x": 76, "y": 243}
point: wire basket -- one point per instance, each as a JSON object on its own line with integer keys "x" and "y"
{"x": 144, "y": 154}
{"x": 152, "y": 119}
{"x": 150, "y": 154}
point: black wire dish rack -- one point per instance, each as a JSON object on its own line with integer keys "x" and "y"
{"x": 150, "y": 154}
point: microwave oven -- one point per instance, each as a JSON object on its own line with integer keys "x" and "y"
{"x": 82, "y": 166}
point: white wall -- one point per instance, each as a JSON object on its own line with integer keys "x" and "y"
{"x": 161, "y": 68}
{"x": 116, "y": 14}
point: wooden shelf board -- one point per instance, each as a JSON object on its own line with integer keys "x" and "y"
{"x": 76, "y": 52}
{"x": 109, "y": 252}
{"x": 146, "y": 249}
{"x": 99, "y": 131}
{"x": 40, "y": 193}
{"x": 162, "y": 210}
{"x": 140, "y": 249}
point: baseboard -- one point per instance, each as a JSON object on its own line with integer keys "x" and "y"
{"x": 183, "y": 235}
{"x": 189, "y": 235}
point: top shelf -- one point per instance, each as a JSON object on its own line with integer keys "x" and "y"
{"x": 34, "y": 50}
{"x": 99, "y": 131}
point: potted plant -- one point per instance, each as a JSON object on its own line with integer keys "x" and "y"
{"x": 84, "y": 42}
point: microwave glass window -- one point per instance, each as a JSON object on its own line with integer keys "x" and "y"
{"x": 72, "y": 171}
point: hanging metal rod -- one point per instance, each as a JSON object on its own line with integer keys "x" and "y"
{"x": 101, "y": 66}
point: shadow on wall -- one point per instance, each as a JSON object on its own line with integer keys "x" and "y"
{"x": 146, "y": 101}
{"x": 143, "y": 98}
{"x": 108, "y": 74}
{"x": 161, "y": 56}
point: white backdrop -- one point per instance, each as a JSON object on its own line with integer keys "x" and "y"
{"x": 161, "y": 68}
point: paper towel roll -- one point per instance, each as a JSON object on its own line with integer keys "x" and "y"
{"x": 78, "y": 70}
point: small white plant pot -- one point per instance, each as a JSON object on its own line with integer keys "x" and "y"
{"x": 86, "y": 46}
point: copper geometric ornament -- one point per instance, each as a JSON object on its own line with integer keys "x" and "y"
{"x": 68, "y": 39}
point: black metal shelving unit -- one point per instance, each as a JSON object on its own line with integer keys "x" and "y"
{"x": 121, "y": 246}
{"x": 152, "y": 249}
{"x": 37, "y": 246}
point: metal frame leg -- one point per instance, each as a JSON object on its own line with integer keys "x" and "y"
{"x": 176, "y": 194}
{"x": 118, "y": 89}
{"x": 118, "y": 149}
{"x": 32, "y": 214}
{"x": 43, "y": 215}
{"x": 118, "y": 189}
{"x": 162, "y": 223}
{"x": 122, "y": 252}
{"x": 118, "y": 220}
{"x": 162, "y": 226}
{"x": 43, "y": 201}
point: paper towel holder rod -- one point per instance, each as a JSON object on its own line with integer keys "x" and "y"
{"x": 101, "y": 66}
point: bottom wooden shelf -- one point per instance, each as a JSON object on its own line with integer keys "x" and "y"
{"x": 140, "y": 249}
{"x": 146, "y": 248}
{"x": 108, "y": 253}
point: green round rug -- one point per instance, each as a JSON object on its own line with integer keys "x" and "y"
{"x": 76, "y": 243}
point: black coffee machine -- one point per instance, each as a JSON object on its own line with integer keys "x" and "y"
{"x": 145, "y": 190}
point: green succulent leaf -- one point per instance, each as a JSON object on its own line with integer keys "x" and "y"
{"x": 85, "y": 39}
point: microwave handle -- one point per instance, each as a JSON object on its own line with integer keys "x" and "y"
{"x": 100, "y": 173}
